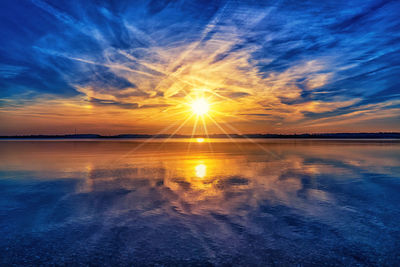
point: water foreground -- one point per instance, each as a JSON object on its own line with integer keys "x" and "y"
{"x": 276, "y": 202}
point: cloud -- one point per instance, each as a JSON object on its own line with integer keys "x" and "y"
{"x": 299, "y": 63}
{"x": 101, "y": 102}
{"x": 231, "y": 94}
{"x": 356, "y": 19}
{"x": 124, "y": 105}
{"x": 9, "y": 71}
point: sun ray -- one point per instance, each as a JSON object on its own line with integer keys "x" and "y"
{"x": 249, "y": 139}
{"x": 144, "y": 142}
{"x": 206, "y": 132}
{"x": 220, "y": 96}
{"x": 231, "y": 115}
{"x": 225, "y": 132}
{"x": 180, "y": 127}
{"x": 193, "y": 132}
{"x": 164, "y": 113}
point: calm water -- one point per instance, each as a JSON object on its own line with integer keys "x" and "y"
{"x": 278, "y": 202}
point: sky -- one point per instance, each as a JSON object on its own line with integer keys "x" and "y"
{"x": 114, "y": 67}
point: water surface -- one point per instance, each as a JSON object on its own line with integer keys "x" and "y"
{"x": 272, "y": 202}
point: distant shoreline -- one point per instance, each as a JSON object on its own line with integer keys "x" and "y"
{"x": 384, "y": 135}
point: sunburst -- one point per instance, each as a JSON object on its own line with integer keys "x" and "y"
{"x": 200, "y": 106}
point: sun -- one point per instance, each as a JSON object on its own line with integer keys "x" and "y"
{"x": 200, "y": 106}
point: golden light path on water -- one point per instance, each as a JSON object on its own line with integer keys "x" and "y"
{"x": 201, "y": 170}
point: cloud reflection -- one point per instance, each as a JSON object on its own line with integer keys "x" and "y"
{"x": 205, "y": 203}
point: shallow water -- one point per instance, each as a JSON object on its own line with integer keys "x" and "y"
{"x": 272, "y": 202}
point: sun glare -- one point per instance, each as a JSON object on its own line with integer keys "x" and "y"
{"x": 200, "y": 140}
{"x": 200, "y": 170}
{"x": 200, "y": 107}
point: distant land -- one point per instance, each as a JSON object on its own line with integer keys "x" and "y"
{"x": 383, "y": 135}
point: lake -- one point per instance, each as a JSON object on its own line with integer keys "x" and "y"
{"x": 223, "y": 202}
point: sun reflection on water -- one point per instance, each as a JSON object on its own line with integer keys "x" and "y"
{"x": 201, "y": 170}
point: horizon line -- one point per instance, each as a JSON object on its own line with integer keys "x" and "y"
{"x": 214, "y": 136}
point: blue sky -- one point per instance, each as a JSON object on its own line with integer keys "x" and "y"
{"x": 127, "y": 66}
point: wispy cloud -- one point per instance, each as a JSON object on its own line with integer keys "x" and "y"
{"x": 283, "y": 65}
